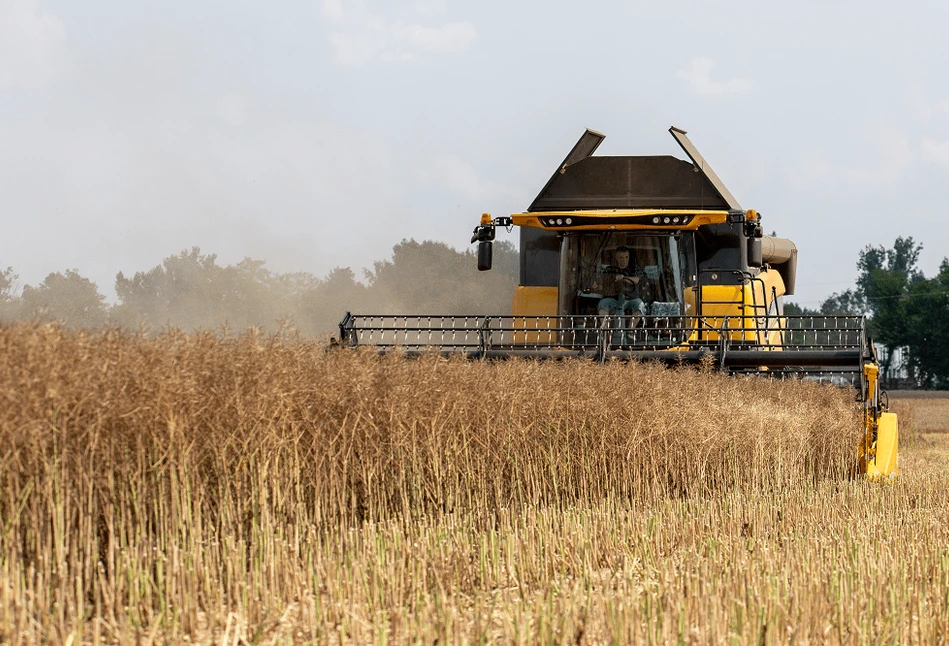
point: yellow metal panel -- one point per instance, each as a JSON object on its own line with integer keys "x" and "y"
{"x": 883, "y": 463}
{"x": 721, "y": 300}
{"x": 534, "y": 301}
{"x": 718, "y": 302}
{"x": 753, "y": 301}
{"x": 772, "y": 279}
{"x": 870, "y": 372}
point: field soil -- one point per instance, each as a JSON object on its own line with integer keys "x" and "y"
{"x": 267, "y": 490}
{"x": 925, "y": 420}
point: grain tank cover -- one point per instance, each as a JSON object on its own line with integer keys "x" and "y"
{"x": 636, "y": 182}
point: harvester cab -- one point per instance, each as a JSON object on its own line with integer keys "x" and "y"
{"x": 651, "y": 258}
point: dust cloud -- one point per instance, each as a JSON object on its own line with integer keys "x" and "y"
{"x": 191, "y": 291}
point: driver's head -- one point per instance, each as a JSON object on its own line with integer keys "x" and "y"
{"x": 622, "y": 257}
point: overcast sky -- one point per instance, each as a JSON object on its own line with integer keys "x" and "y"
{"x": 316, "y": 134}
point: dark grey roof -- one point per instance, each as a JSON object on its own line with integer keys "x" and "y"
{"x": 642, "y": 182}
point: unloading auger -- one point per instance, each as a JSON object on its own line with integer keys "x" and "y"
{"x": 703, "y": 284}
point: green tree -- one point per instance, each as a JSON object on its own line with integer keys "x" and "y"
{"x": 68, "y": 297}
{"x": 507, "y": 261}
{"x": 432, "y": 278}
{"x": 884, "y": 282}
{"x": 846, "y": 303}
{"x": 904, "y": 308}
{"x": 927, "y": 324}
{"x": 849, "y": 302}
{"x": 191, "y": 291}
{"x": 793, "y": 309}
{"x": 886, "y": 276}
{"x": 323, "y": 303}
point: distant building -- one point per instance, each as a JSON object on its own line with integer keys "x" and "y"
{"x": 899, "y": 375}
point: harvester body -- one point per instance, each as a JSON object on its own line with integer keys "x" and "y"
{"x": 709, "y": 286}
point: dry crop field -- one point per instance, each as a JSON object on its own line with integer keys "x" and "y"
{"x": 261, "y": 490}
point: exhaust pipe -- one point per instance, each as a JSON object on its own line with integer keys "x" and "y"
{"x": 782, "y": 253}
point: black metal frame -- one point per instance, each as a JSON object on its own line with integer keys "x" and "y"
{"x": 810, "y": 346}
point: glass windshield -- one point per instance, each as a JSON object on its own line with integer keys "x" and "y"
{"x": 607, "y": 270}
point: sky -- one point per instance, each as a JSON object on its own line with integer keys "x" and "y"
{"x": 317, "y": 134}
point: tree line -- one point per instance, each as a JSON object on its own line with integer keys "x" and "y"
{"x": 192, "y": 290}
{"x": 905, "y": 310}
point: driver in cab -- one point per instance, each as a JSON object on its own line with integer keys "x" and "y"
{"x": 620, "y": 284}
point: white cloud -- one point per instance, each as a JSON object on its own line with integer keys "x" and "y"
{"x": 453, "y": 37}
{"x": 936, "y": 151}
{"x": 924, "y": 109}
{"x": 362, "y": 35}
{"x": 333, "y": 9}
{"x": 698, "y": 76}
{"x": 355, "y": 49}
{"x": 32, "y": 47}
{"x": 920, "y": 107}
{"x": 430, "y": 7}
{"x": 941, "y": 108}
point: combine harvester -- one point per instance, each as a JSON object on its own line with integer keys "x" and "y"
{"x": 700, "y": 282}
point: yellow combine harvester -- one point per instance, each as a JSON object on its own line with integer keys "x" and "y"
{"x": 651, "y": 258}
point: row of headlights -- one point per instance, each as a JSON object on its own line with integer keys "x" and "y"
{"x": 558, "y": 222}
{"x": 657, "y": 219}
{"x": 671, "y": 219}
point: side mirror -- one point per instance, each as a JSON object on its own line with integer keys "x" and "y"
{"x": 484, "y": 255}
{"x": 755, "y": 258}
